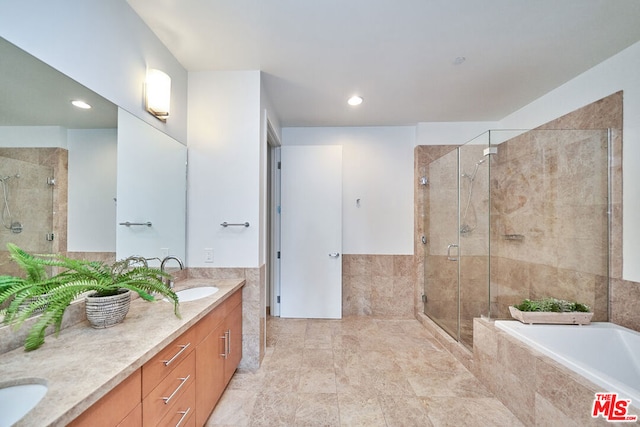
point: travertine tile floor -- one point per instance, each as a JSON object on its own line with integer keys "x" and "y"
{"x": 357, "y": 371}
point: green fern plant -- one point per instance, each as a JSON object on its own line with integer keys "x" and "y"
{"x": 37, "y": 292}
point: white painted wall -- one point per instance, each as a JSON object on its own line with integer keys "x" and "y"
{"x": 450, "y": 133}
{"x": 378, "y": 170}
{"x": 224, "y": 181}
{"x": 619, "y": 72}
{"x": 103, "y": 45}
{"x": 33, "y": 136}
{"x": 92, "y": 189}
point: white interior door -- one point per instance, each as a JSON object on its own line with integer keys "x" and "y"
{"x": 311, "y": 232}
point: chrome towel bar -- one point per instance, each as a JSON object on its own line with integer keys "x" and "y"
{"x": 129, "y": 224}
{"x": 226, "y": 224}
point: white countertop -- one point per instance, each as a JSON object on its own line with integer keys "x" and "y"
{"x": 83, "y": 364}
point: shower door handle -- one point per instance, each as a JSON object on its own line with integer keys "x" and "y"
{"x": 449, "y": 257}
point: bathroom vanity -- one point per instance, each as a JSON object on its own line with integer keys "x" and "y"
{"x": 153, "y": 369}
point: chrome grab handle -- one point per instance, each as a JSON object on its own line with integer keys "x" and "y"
{"x": 129, "y": 224}
{"x": 226, "y": 344}
{"x": 334, "y": 254}
{"x": 226, "y": 224}
{"x": 184, "y": 380}
{"x": 449, "y": 257}
{"x": 229, "y": 342}
{"x": 184, "y": 415}
{"x": 175, "y": 356}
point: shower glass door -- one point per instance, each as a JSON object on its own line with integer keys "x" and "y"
{"x": 474, "y": 167}
{"x": 457, "y": 245}
{"x": 441, "y": 288}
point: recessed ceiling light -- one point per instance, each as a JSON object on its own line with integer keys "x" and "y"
{"x": 355, "y": 100}
{"x": 459, "y": 60}
{"x": 80, "y": 104}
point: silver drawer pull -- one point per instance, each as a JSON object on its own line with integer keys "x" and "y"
{"x": 229, "y": 342}
{"x": 225, "y": 337}
{"x": 175, "y": 356}
{"x": 184, "y": 380}
{"x": 184, "y": 415}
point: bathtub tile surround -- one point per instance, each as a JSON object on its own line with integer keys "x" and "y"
{"x": 538, "y": 390}
{"x": 625, "y": 297}
{"x": 357, "y": 371}
{"x": 377, "y": 285}
{"x": 253, "y": 313}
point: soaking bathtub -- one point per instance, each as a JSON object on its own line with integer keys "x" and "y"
{"x": 604, "y": 353}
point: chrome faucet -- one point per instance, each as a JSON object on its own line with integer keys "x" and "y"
{"x": 169, "y": 280}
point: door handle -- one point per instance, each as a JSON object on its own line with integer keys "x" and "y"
{"x": 334, "y": 254}
{"x": 449, "y": 257}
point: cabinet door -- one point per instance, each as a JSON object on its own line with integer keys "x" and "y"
{"x": 119, "y": 404}
{"x": 234, "y": 354}
{"x": 209, "y": 373}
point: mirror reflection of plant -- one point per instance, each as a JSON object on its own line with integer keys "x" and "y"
{"x": 37, "y": 292}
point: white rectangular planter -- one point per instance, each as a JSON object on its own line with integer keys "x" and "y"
{"x": 569, "y": 318}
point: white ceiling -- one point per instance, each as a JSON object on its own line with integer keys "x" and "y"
{"x": 397, "y": 54}
{"x": 34, "y": 94}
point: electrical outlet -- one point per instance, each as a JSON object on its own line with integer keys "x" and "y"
{"x": 164, "y": 252}
{"x": 208, "y": 255}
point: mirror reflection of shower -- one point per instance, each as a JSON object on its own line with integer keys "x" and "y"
{"x": 6, "y": 217}
{"x": 469, "y": 222}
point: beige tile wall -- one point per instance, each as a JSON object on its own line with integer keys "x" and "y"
{"x": 378, "y": 285}
{"x": 253, "y": 312}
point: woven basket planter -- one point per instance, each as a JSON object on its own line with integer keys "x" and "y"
{"x": 103, "y": 312}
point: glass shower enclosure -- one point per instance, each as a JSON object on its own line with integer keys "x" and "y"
{"x": 512, "y": 215}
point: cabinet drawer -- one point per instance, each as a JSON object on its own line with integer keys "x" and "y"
{"x": 156, "y": 369}
{"x": 183, "y": 412}
{"x": 162, "y": 399}
{"x": 112, "y": 408}
{"x": 209, "y": 323}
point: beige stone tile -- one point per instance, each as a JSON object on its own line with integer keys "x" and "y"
{"x": 234, "y": 408}
{"x": 281, "y": 381}
{"x": 284, "y": 358}
{"x": 317, "y": 409}
{"x": 447, "y": 384}
{"x": 491, "y": 412}
{"x": 360, "y": 409}
{"x": 447, "y": 412}
{"x": 317, "y": 358}
{"x": 546, "y": 414}
{"x": 274, "y": 409}
{"x": 317, "y": 380}
{"x": 404, "y": 411}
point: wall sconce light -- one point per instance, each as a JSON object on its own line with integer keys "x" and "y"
{"x": 158, "y": 94}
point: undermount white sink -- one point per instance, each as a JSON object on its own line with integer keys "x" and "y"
{"x": 17, "y": 400}
{"x": 196, "y": 293}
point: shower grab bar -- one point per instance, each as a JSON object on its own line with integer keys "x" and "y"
{"x": 129, "y": 224}
{"x": 449, "y": 257}
{"x": 226, "y": 224}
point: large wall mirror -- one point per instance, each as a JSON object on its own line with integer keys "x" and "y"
{"x": 69, "y": 176}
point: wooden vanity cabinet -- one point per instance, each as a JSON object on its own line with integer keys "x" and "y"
{"x": 183, "y": 382}
{"x": 217, "y": 354}
{"x": 120, "y": 407}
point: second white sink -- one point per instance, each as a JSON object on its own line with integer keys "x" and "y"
{"x": 193, "y": 294}
{"x": 17, "y": 400}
